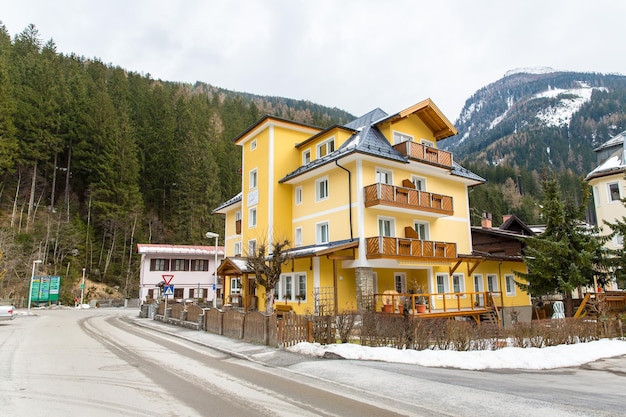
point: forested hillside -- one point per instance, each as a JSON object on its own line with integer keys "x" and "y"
{"x": 94, "y": 159}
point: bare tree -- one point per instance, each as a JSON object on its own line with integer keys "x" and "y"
{"x": 268, "y": 267}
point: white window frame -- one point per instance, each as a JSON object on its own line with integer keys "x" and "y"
{"x": 235, "y": 285}
{"x": 326, "y": 147}
{"x": 445, "y": 278}
{"x": 427, "y": 142}
{"x": 618, "y": 240}
{"x": 422, "y": 181}
{"x": 321, "y": 189}
{"x": 399, "y": 282}
{"x": 294, "y": 284}
{"x": 399, "y": 137}
{"x": 252, "y": 217}
{"x": 480, "y": 288}
{"x": 382, "y": 221}
{"x": 322, "y": 232}
{"x": 252, "y": 144}
{"x": 509, "y": 281}
{"x": 306, "y": 156}
{"x": 611, "y": 197}
{"x": 237, "y": 249}
{"x": 417, "y": 224}
{"x": 298, "y": 195}
{"x": 251, "y": 247}
{"x": 461, "y": 284}
{"x": 298, "y": 236}
{"x": 388, "y": 175}
{"x": 253, "y": 179}
{"x": 492, "y": 284}
{"x": 238, "y": 215}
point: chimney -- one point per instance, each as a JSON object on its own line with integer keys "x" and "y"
{"x": 486, "y": 220}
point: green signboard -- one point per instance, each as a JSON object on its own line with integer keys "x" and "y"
{"x": 45, "y": 289}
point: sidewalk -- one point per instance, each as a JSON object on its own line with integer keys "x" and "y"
{"x": 264, "y": 355}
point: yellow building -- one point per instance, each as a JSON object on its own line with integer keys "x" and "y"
{"x": 370, "y": 206}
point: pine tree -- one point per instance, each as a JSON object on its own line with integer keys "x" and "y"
{"x": 569, "y": 254}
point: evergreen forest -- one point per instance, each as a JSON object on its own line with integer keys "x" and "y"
{"x": 95, "y": 159}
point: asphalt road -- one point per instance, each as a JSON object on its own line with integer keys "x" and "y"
{"x": 102, "y": 363}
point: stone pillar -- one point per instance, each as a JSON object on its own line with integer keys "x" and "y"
{"x": 364, "y": 289}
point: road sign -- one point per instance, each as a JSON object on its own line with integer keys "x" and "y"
{"x": 168, "y": 290}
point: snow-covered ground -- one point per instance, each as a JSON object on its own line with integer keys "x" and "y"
{"x": 505, "y": 358}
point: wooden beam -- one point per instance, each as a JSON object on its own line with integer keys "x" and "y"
{"x": 341, "y": 257}
{"x": 454, "y": 268}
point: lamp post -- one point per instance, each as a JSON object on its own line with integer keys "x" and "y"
{"x": 82, "y": 289}
{"x": 32, "y": 277}
{"x": 210, "y": 235}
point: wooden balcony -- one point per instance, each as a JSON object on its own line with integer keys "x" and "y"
{"x": 238, "y": 227}
{"x": 426, "y": 154}
{"x": 410, "y": 198}
{"x": 406, "y": 248}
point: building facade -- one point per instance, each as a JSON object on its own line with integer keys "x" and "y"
{"x": 370, "y": 206}
{"x": 190, "y": 269}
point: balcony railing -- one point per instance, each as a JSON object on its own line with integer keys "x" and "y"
{"x": 400, "y": 247}
{"x": 423, "y": 153}
{"x": 392, "y": 195}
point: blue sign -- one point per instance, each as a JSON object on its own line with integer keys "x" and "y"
{"x": 168, "y": 290}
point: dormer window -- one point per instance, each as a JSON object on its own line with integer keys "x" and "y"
{"x": 325, "y": 148}
{"x": 306, "y": 157}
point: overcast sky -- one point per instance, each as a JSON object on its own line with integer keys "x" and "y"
{"x": 352, "y": 54}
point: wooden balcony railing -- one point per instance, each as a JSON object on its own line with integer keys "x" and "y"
{"x": 400, "y": 247}
{"x": 422, "y": 153}
{"x": 454, "y": 303}
{"x": 411, "y": 198}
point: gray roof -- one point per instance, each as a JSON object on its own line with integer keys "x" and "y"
{"x": 233, "y": 200}
{"x": 367, "y": 139}
{"x": 459, "y": 171}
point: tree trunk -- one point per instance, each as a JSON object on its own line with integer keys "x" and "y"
{"x": 17, "y": 193}
{"x": 269, "y": 301}
{"x": 31, "y": 200}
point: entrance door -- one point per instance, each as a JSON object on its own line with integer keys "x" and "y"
{"x": 479, "y": 299}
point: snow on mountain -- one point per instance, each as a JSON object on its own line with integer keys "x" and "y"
{"x": 530, "y": 70}
{"x": 570, "y": 101}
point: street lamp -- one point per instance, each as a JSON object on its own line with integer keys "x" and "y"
{"x": 210, "y": 235}
{"x": 32, "y": 277}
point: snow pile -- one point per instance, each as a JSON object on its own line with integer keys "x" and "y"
{"x": 561, "y": 114}
{"x": 505, "y": 358}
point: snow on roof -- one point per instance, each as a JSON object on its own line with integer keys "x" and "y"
{"x": 179, "y": 249}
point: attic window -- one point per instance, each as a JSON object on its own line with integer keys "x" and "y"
{"x": 399, "y": 137}
{"x": 325, "y": 148}
{"x": 614, "y": 194}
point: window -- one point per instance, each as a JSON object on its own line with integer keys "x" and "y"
{"x": 253, "y": 145}
{"x": 442, "y": 283}
{"x": 321, "y": 189}
{"x": 252, "y": 247}
{"x": 419, "y": 183}
{"x": 325, "y": 148}
{"x": 298, "y": 238}
{"x": 492, "y": 283}
{"x": 322, "y": 233}
{"x": 428, "y": 143}
{"x": 618, "y": 240}
{"x": 238, "y": 222}
{"x": 252, "y": 217}
{"x": 306, "y": 157}
{"x": 159, "y": 265}
{"x": 479, "y": 299}
{"x": 422, "y": 230}
{"x": 237, "y": 248}
{"x": 401, "y": 137}
{"x": 399, "y": 279}
{"x": 291, "y": 287}
{"x": 458, "y": 283}
{"x": 181, "y": 265}
{"x": 253, "y": 179}
{"x": 510, "y": 284}
{"x": 199, "y": 265}
{"x": 386, "y": 227}
{"x": 235, "y": 285}
{"x": 614, "y": 194}
{"x": 179, "y": 292}
{"x": 383, "y": 176}
{"x": 298, "y": 195}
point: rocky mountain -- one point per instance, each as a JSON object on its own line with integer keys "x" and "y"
{"x": 538, "y": 118}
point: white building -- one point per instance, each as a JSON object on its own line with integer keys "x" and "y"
{"x": 190, "y": 269}
{"x": 609, "y": 186}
